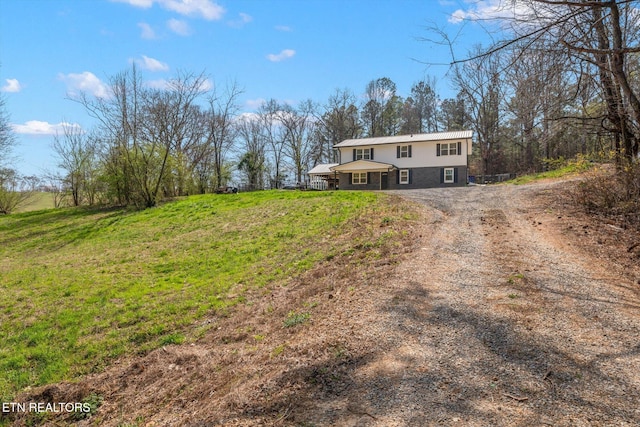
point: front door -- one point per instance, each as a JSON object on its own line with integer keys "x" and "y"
{"x": 384, "y": 180}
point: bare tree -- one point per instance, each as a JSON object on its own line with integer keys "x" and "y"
{"x": 298, "y": 127}
{"x": 535, "y": 86}
{"x": 339, "y": 121}
{"x": 7, "y": 138}
{"x": 602, "y": 33}
{"x": 221, "y": 127}
{"x": 252, "y": 160}
{"x": 76, "y": 153}
{"x": 453, "y": 115}
{"x": 15, "y": 190}
{"x": 480, "y": 84}
{"x": 275, "y": 137}
{"x": 144, "y": 129}
{"x": 168, "y": 116}
{"x": 425, "y": 105}
{"x": 55, "y": 184}
{"x": 381, "y": 110}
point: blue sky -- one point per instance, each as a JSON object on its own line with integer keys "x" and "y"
{"x": 289, "y": 50}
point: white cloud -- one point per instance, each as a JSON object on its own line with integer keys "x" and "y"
{"x": 150, "y": 64}
{"x": 179, "y": 27}
{"x": 206, "y": 85}
{"x": 285, "y": 54}
{"x": 254, "y": 104}
{"x": 164, "y": 84}
{"x": 13, "y": 85}
{"x": 147, "y": 31}
{"x": 85, "y": 82}
{"x": 483, "y": 10}
{"x": 283, "y": 28}
{"x": 161, "y": 84}
{"x": 205, "y": 9}
{"x": 37, "y": 127}
{"x": 247, "y": 118}
{"x": 199, "y": 8}
{"x": 241, "y": 21}
{"x": 144, "y": 4}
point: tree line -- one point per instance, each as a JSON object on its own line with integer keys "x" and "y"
{"x": 563, "y": 80}
{"x": 151, "y": 144}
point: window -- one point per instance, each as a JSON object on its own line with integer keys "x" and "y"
{"x": 404, "y": 176}
{"x": 448, "y": 175}
{"x": 404, "y": 151}
{"x": 449, "y": 149}
{"x": 363, "y": 153}
{"x": 359, "y": 178}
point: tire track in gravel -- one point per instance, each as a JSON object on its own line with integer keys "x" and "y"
{"x": 494, "y": 322}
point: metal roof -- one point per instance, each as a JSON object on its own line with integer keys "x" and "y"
{"x": 399, "y": 139}
{"x": 322, "y": 169}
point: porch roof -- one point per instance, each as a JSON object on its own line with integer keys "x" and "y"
{"x": 363, "y": 166}
{"x": 322, "y": 169}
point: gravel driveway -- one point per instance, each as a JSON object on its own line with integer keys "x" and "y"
{"x": 499, "y": 321}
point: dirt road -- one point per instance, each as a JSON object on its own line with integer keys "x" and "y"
{"x": 499, "y": 320}
{"x": 501, "y": 312}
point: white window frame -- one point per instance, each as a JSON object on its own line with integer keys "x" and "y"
{"x": 363, "y": 153}
{"x": 361, "y": 178}
{"x": 452, "y": 176}
{"x": 449, "y": 149}
{"x": 404, "y": 151}
{"x": 404, "y": 179}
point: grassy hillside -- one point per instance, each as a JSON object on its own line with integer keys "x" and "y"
{"x": 40, "y": 200}
{"x": 80, "y": 287}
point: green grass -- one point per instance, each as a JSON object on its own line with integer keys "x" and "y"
{"x": 80, "y": 287}
{"x": 39, "y": 201}
{"x": 294, "y": 319}
{"x": 568, "y": 168}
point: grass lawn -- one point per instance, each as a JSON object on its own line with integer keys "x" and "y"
{"x": 80, "y": 287}
{"x": 40, "y": 200}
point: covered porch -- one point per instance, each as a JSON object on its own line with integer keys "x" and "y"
{"x": 364, "y": 175}
{"x": 321, "y": 177}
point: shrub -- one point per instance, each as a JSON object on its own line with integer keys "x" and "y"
{"x": 612, "y": 193}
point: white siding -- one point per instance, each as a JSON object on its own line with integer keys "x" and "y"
{"x": 423, "y": 154}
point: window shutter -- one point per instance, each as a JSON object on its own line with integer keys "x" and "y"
{"x": 410, "y": 175}
{"x": 459, "y": 148}
{"x": 371, "y": 155}
{"x": 368, "y": 178}
{"x": 397, "y": 176}
{"x": 398, "y": 152}
{"x": 455, "y": 173}
{"x": 409, "y": 151}
{"x": 354, "y": 154}
{"x": 437, "y": 151}
{"x": 441, "y": 174}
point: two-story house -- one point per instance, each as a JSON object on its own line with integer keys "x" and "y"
{"x": 403, "y": 161}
